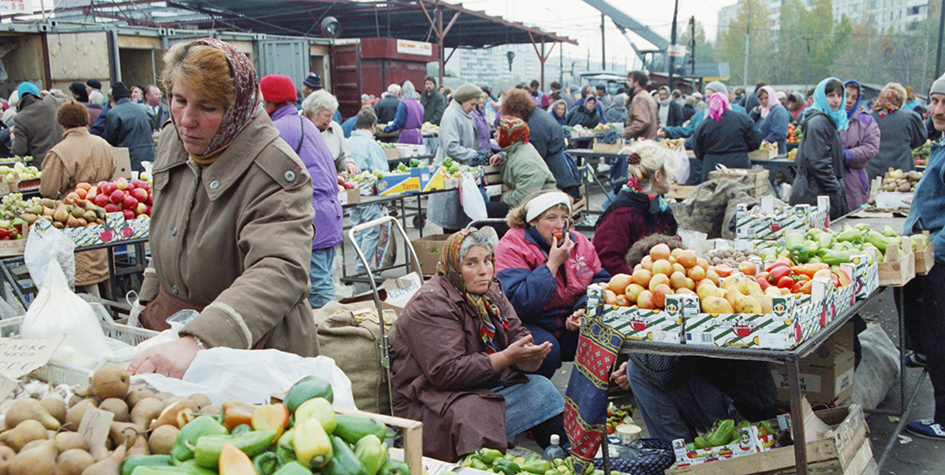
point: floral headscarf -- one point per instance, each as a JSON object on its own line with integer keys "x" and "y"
{"x": 890, "y": 100}
{"x": 511, "y": 130}
{"x": 718, "y": 104}
{"x": 246, "y": 102}
{"x": 450, "y": 266}
{"x": 771, "y": 102}
{"x": 839, "y": 116}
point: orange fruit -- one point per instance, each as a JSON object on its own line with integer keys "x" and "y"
{"x": 659, "y": 251}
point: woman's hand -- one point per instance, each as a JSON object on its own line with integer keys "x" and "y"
{"x": 495, "y": 160}
{"x": 619, "y": 377}
{"x": 559, "y": 254}
{"x": 526, "y": 355}
{"x": 352, "y": 169}
{"x": 573, "y": 322}
{"x": 661, "y": 132}
{"x": 170, "y": 359}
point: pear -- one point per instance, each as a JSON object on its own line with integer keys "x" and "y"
{"x": 24, "y": 433}
{"x": 71, "y": 440}
{"x": 39, "y": 460}
{"x": 139, "y": 447}
{"x": 73, "y": 462}
{"x": 116, "y": 406}
{"x": 146, "y": 410}
{"x": 110, "y": 381}
{"x": 108, "y": 466}
{"x": 6, "y": 457}
{"x": 29, "y": 408}
{"x": 55, "y": 407}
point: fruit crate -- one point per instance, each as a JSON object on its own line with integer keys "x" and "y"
{"x": 925, "y": 258}
{"x": 899, "y": 267}
{"x": 608, "y": 147}
{"x": 28, "y": 185}
{"x": 57, "y": 371}
{"x": 412, "y": 432}
{"x": 766, "y": 154}
{"x": 756, "y": 180}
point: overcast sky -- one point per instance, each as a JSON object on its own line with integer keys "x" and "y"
{"x": 579, "y": 21}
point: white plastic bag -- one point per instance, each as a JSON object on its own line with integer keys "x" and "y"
{"x": 471, "y": 198}
{"x": 56, "y": 311}
{"x": 44, "y": 245}
{"x": 682, "y": 166}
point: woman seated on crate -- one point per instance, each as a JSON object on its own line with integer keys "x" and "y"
{"x": 460, "y": 357}
{"x": 725, "y": 138}
{"x": 639, "y": 209}
{"x": 680, "y": 396}
{"x": 820, "y": 155}
{"x": 545, "y": 268}
{"x": 232, "y": 230}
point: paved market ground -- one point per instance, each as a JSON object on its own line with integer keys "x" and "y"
{"x": 916, "y": 457}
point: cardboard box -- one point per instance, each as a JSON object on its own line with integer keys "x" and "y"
{"x": 428, "y": 250}
{"x": 440, "y": 180}
{"x": 398, "y": 183}
{"x": 893, "y": 200}
{"x": 825, "y": 375}
{"x": 644, "y": 325}
{"x": 391, "y": 153}
{"x": 598, "y": 147}
{"x": 768, "y": 222}
{"x": 406, "y": 150}
{"x": 122, "y": 162}
{"x": 777, "y": 330}
{"x": 349, "y": 196}
{"x": 865, "y": 275}
{"x": 116, "y": 228}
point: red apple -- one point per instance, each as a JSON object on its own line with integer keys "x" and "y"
{"x": 121, "y": 183}
{"x": 107, "y": 188}
{"x": 150, "y": 199}
{"x": 141, "y": 209}
{"x": 129, "y": 202}
{"x": 112, "y": 208}
{"x": 100, "y": 200}
{"x": 117, "y": 196}
{"x": 140, "y": 194}
{"x": 141, "y": 184}
{"x": 129, "y": 215}
{"x": 100, "y": 184}
{"x": 149, "y": 208}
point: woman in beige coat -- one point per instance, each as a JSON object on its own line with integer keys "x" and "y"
{"x": 79, "y": 157}
{"x": 231, "y": 227}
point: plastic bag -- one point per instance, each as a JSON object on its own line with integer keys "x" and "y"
{"x": 56, "y": 311}
{"x": 471, "y": 198}
{"x": 682, "y": 166}
{"x": 44, "y": 245}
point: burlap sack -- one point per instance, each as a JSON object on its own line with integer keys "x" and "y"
{"x": 355, "y": 347}
{"x": 704, "y": 211}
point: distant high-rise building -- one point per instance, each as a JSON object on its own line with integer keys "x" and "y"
{"x": 885, "y": 14}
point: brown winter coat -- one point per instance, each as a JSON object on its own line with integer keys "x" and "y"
{"x": 643, "y": 117}
{"x": 35, "y": 129}
{"x": 442, "y": 376}
{"x": 80, "y": 157}
{"x": 235, "y": 236}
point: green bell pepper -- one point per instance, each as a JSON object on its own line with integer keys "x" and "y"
{"x": 477, "y": 464}
{"x": 371, "y": 452}
{"x": 135, "y": 461}
{"x": 812, "y": 246}
{"x": 824, "y": 240}
{"x": 506, "y": 467}
{"x": 266, "y": 463}
{"x": 701, "y": 442}
{"x": 722, "y": 434}
{"x": 285, "y": 449}
{"x": 792, "y": 240}
{"x": 394, "y": 467}
{"x": 351, "y": 429}
{"x": 878, "y": 241}
{"x": 162, "y": 470}
{"x": 489, "y": 455}
{"x": 207, "y": 451}
{"x": 293, "y": 468}
{"x": 834, "y": 258}
{"x": 241, "y": 429}
{"x": 191, "y": 432}
{"x": 537, "y": 466}
{"x": 307, "y": 388}
{"x": 343, "y": 460}
{"x": 799, "y": 254}
{"x": 888, "y": 231}
{"x": 849, "y": 234}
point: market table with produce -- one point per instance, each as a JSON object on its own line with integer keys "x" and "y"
{"x": 777, "y": 292}
{"x": 787, "y": 169}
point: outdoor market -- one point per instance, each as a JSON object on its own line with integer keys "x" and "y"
{"x": 312, "y": 236}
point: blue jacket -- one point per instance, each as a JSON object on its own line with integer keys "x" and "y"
{"x": 774, "y": 127}
{"x": 127, "y": 125}
{"x": 365, "y": 151}
{"x": 927, "y": 212}
{"x": 348, "y": 126}
{"x": 686, "y": 131}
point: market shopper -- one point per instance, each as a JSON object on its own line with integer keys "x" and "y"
{"x": 158, "y": 112}
{"x": 924, "y": 296}
{"x": 232, "y": 220}
{"x": 319, "y": 107}
{"x": 434, "y": 104}
{"x": 368, "y": 156}
{"x": 36, "y": 130}
{"x": 458, "y": 141}
{"x": 548, "y": 139}
{"x": 386, "y": 108}
{"x": 670, "y": 112}
{"x": 483, "y": 131}
{"x": 522, "y": 168}
{"x": 771, "y": 118}
{"x": 128, "y": 125}
{"x": 545, "y": 277}
{"x": 725, "y": 137}
{"x": 640, "y": 209}
{"x": 860, "y": 141}
{"x": 819, "y": 159}
{"x": 79, "y": 158}
{"x": 617, "y": 110}
{"x": 408, "y": 118}
{"x": 559, "y": 112}
{"x": 586, "y": 116}
{"x": 468, "y": 385}
{"x": 278, "y": 94}
{"x": 900, "y": 131}
{"x": 643, "y": 116}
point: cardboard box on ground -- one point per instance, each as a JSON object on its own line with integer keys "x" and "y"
{"x": 122, "y": 163}
{"x": 825, "y": 375}
{"x": 428, "y": 251}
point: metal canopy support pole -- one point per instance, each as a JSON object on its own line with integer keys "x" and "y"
{"x": 542, "y": 55}
{"x": 603, "y": 45}
{"x": 437, "y": 25}
{"x": 797, "y": 420}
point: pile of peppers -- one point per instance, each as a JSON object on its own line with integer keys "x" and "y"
{"x": 491, "y": 460}
{"x": 725, "y": 432}
{"x": 819, "y": 246}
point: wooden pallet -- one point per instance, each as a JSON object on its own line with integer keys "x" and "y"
{"x": 608, "y": 148}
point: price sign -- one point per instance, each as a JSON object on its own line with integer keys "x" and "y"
{"x": 20, "y": 356}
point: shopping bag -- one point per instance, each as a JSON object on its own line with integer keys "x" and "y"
{"x": 471, "y": 198}
{"x": 682, "y": 166}
{"x": 46, "y": 244}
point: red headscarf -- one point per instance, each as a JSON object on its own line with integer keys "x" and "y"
{"x": 511, "y": 130}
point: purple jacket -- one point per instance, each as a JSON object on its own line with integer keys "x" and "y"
{"x": 482, "y": 130}
{"x": 412, "y": 123}
{"x": 860, "y": 144}
{"x": 321, "y": 166}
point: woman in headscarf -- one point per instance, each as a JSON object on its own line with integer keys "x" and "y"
{"x": 523, "y": 169}
{"x": 585, "y": 115}
{"x": 771, "y": 118}
{"x": 725, "y": 137}
{"x": 820, "y": 155}
{"x": 860, "y": 142}
{"x": 483, "y": 132}
{"x": 559, "y": 111}
{"x": 232, "y": 218}
{"x": 545, "y": 268}
{"x": 460, "y": 358}
{"x": 900, "y": 132}
{"x": 617, "y": 110}
{"x": 409, "y": 116}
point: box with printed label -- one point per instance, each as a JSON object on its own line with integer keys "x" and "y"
{"x": 827, "y": 374}
{"x": 767, "y": 222}
{"x": 865, "y": 275}
{"x": 776, "y": 330}
{"x": 116, "y": 228}
{"x": 349, "y": 196}
{"x": 436, "y": 178}
{"x": 640, "y": 324}
{"x": 749, "y": 442}
{"x": 398, "y": 183}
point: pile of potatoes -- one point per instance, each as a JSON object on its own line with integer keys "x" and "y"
{"x": 896, "y": 180}
{"x": 41, "y": 438}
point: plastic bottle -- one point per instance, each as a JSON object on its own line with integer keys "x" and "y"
{"x": 554, "y": 451}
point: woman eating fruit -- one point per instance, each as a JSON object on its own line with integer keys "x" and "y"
{"x": 545, "y": 269}
{"x": 460, "y": 358}
{"x": 232, "y": 219}
{"x": 639, "y": 209}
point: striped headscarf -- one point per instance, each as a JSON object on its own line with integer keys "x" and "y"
{"x": 718, "y": 104}
{"x": 511, "y": 130}
{"x": 450, "y": 266}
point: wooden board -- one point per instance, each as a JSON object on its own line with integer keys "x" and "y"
{"x": 680, "y": 192}
{"x": 899, "y": 267}
{"x": 412, "y": 431}
{"x": 608, "y": 148}
{"x": 925, "y": 258}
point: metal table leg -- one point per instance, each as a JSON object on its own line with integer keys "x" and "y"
{"x": 797, "y": 420}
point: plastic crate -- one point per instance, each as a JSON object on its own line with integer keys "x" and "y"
{"x": 57, "y": 371}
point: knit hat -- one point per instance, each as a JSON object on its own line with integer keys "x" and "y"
{"x": 27, "y": 88}
{"x": 938, "y": 87}
{"x": 717, "y": 86}
{"x": 120, "y": 91}
{"x": 313, "y": 81}
{"x": 277, "y": 89}
{"x": 466, "y": 92}
{"x": 78, "y": 89}
{"x": 94, "y": 84}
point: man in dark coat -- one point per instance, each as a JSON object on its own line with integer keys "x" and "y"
{"x": 128, "y": 125}
{"x": 157, "y": 110}
{"x": 434, "y": 104}
{"x": 35, "y": 129}
{"x": 386, "y": 108}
